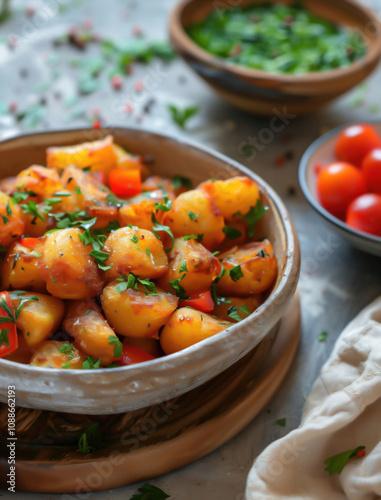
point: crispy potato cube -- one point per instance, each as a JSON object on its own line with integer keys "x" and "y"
{"x": 227, "y": 304}
{"x": 237, "y": 194}
{"x": 193, "y": 212}
{"x": 196, "y": 262}
{"x": 133, "y": 313}
{"x": 187, "y": 327}
{"x": 127, "y": 247}
{"x": 11, "y": 223}
{"x": 49, "y": 355}
{"x": 20, "y": 270}
{"x": 90, "y": 330}
{"x": 258, "y": 266}
{"x": 40, "y": 318}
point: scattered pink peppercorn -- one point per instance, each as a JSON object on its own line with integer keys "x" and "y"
{"x": 96, "y": 124}
{"x": 129, "y": 69}
{"x": 288, "y": 20}
{"x": 318, "y": 168}
{"x": 117, "y": 82}
{"x": 139, "y": 85}
{"x": 361, "y": 453}
{"x": 30, "y": 10}
{"x": 13, "y": 106}
{"x": 137, "y": 31}
{"x": 236, "y": 51}
{"x": 12, "y": 41}
{"x": 88, "y": 24}
{"x": 128, "y": 107}
{"x": 280, "y": 161}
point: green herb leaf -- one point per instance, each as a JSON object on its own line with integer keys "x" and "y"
{"x": 231, "y": 232}
{"x": 253, "y": 216}
{"x": 91, "y": 364}
{"x": 181, "y": 115}
{"x": 91, "y": 439}
{"x": 149, "y": 492}
{"x": 198, "y": 238}
{"x": 183, "y": 267}
{"x": 281, "y": 422}
{"x": 233, "y": 311}
{"x": 4, "y": 337}
{"x": 336, "y": 463}
{"x": 236, "y": 273}
{"x": 175, "y": 284}
{"x": 134, "y": 239}
{"x": 31, "y": 208}
{"x": 160, "y": 227}
{"x": 67, "y": 348}
{"x": 178, "y": 181}
{"x": 164, "y": 207}
{"x": 8, "y": 209}
{"x": 118, "y": 346}
{"x": 322, "y": 337}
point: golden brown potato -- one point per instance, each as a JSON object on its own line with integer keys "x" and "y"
{"x": 44, "y": 182}
{"x": 55, "y": 354}
{"x": 90, "y": 330}
{"x": 37, "y": 226}
{"x": 154, "y": 182}
{"x": 258, "y": 266}
{"x": 233, "y": 195}
{"x": 126, "y": 160}
{"x": 235, "y": 303}
{"x": 139, "y": 210}
{"x": 195, "y": 213}
{"x": 127, "y": 247}
{"x": 11, "y": 223}
{"x": 99, "y": 155}
{"x": 67, "y": 266}
{"x": 195, "y": 261}
{"x": 38, "y": 319}
{"x": 148, "y": 344}
{"x": 187, "y": 327}
{"x": 20, "y": 271}
{"x": 133, "y": 313}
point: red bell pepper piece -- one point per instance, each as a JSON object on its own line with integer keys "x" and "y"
{"x": 29, "y": 242}
{"x": 202, "y": 302}
{"x": 132, "y": 354}
{"x": 125, "y": 182}
{"x": 8, "y": 332}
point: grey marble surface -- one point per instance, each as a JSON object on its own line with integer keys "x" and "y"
{"x": 336, "y": 280}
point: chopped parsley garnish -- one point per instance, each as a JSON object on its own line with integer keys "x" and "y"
{"x": 236, "y": 273}
{"x": 8, "y": 209}
{"x": 77, "y": 190}
{"x": 160, "y": 227}
{"x": 32, "y": 209}
{"x": 4, "y": 337}
{"x": 91, "y": 439}
{"x": 281, "y": 422}
{"x": 165, "y": 206}
{"x": 322, "y": 337}
{"x": 149, "y": 492}
{"x": 263, "y": 254}
{"x": 175, "y": 284}
{"x": 11, "y": 317}
{"x": 132, "y": 281}
{"x": 134, "y": 239}
{"x": 148, "y": 251}
{"x": 192, "y": 215}
{"x": 96, "y": 239}
{"x": 67, "y": 349}
{"x": 198, "y": 238}
{"x": 20, "y": 196}
{"x": 233, "y": 312}
{"x": 253, "y": 216}
{"x": 336, "y": 463}
{"x": 5, "y": 219}
{"x": 178, "y": 181}
{"x": 183, "y": 267}
{"x": 90, "y": 363}
{"x": 118, "y": 346}
{"x": 231, "y": 232}
{"x": 181, "y": 115}
{"x": 17, "y": 295}
{"x": 116, "y": 202}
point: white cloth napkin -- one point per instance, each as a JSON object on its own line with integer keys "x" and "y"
{"x": 342, "y": 412}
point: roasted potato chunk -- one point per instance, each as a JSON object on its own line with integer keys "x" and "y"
{"x": 67, "y": 266}
{"x": 193, "y": 260}
{"x": 187, "y": 327}
{"x": 42, "y": 181}
{"x": 98, "y": 155}
{"x": 240, "y": 306}
{"x": 55, "y": 354}
{"x": 90, "y": 330}
{"x": 138, "y": 212}
{"x": 193, "y": 212}
{"x": 137, "y": 251}
{"x": 20, "y": 271}
{"x": 11, "y": 223}
{"x": 40, "y": 318}
{"x": 133, "y": 313}
{"x": 237, "y": 194}
{"x": 258, "y": 266}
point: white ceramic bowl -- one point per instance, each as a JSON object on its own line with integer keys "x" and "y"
{"x": 107, "y": 391}
{"x": 322, "y": 152}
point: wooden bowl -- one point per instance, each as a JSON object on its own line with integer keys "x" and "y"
{"x": 260, "y": 92}
{"x": 321, "y": 152}
{"x": 131, "y": 387}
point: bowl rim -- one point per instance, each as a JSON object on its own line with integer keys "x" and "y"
{"x": 179, "y": 35}
{"x": 291, "y": 258}
{"x": 302, "y": 177}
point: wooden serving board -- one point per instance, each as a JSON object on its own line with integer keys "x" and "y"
{"x": 145, "y": 443}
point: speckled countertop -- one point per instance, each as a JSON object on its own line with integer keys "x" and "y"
{"x": 39, "y": 84}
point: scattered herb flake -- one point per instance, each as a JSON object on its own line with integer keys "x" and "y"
{"x": 336, "y": 463}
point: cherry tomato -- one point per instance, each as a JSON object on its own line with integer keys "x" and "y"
{"x": 364, "y": 214}
{"x": 355, "y": 142}
{"x": 371, "y": 168}
{"x": 337, "y": 185}
{"x": 132, "y": 354}
{"x": 125, "y": 182}
{"x": 202, "y": 302}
